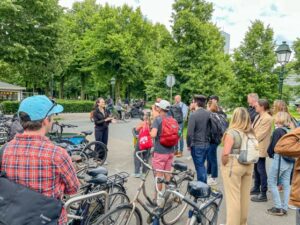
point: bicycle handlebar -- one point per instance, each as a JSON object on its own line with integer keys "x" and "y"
{"x": 150, "y": 167}
{"x": 65, "y": 125}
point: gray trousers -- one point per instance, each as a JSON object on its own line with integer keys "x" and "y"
{"x": 298, "y": 216}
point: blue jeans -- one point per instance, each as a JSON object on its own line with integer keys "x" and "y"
{"x": 181, "y": 142}
{"x": 199, "y": 155}
{"x": 284, "y": 176}
{"x": 212, "y": 162}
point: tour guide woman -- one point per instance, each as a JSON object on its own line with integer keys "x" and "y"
{"x": 101, "y": 120}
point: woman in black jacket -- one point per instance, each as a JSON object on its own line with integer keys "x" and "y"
{"x": 101, "y": 119}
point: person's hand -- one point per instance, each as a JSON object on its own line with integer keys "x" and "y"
{"x": 225, "y": 159}
{"x": 108, "y": 119}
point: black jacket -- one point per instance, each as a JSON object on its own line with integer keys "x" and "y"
{"x": 277, "y": 134}
{"x": 198, "y": 128}
{"x": 99, "y": 119}
{"x": 252, "y": 113}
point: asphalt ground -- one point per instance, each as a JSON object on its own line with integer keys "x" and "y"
{"x": 120, "y": 158}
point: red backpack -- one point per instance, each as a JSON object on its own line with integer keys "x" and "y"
{"x": 145, "y": 140}
{"x": 169, "y": 132}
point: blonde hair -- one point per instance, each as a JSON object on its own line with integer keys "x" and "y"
{"x": 283, "y": 118}
{"x": 241, "y": 120}
{"x": 279, "y": 106}
{"x": 213, "y": 106}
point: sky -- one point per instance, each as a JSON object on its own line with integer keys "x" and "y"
{"x": 231, "y": 16}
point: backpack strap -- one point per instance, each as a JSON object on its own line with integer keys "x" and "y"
{"x": 2, "y": 174}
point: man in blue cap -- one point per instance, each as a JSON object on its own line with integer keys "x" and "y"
{"x": 32, "y": 160}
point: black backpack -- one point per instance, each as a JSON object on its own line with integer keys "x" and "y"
{"x": 217, "y": 128}
{"x": 176, "y": 113}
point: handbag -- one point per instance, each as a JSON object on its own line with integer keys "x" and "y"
{"x": 21, "y": 205}
{"x": 145, "y": 140}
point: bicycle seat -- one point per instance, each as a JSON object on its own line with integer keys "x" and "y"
{"x": 99, "y": 170}
{"x": 100, "y": 179}
{"x": 178, "y": 165}
{"x": 199, "y": 189}
{"x": 87, "y": 132}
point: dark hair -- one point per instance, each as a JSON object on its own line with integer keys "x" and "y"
{"x": 27, "y": 124}
{"x": 200, "y": 100}
{"x": 96, "y": 103}
{"x": 264, "y": 103}
{"x": 215, "y": 97}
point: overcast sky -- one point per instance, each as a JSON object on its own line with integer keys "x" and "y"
{"x": 232, "y": 16}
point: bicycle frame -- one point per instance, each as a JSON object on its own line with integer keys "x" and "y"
{"x": 81, "y": 198}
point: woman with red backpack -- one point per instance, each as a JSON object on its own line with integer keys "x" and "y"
{"x": 144, "y": 142}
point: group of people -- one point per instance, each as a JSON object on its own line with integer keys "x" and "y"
{"x": 268, "y": 126}
{"x": 32, "y": 160}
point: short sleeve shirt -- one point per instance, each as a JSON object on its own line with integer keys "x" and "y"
{"x": 237, "y": 139}
{"x": 157, "y": 146}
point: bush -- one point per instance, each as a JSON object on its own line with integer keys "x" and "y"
{"x": 70, "y": 106}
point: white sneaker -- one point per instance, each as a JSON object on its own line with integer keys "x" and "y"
{"x": 212, "y": 181}
{"x": 292, "y": 207}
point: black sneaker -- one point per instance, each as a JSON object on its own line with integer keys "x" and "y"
{"x": 254, "y": 191}
{"x": 275, "y": 212}
{"x": 262, "y": 197}
{"x": 284, "y": 212}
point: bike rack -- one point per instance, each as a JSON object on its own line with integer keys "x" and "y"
{"x": 80, "y": 198}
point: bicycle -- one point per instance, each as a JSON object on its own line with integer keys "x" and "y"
{"x": 76, "y": 144}
{"x": 88, "y": 212}
{"x": 166, "y": 203}
{"x": 205, "y": 214}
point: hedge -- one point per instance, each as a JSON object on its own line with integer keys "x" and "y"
{"x": 70, "y": 106}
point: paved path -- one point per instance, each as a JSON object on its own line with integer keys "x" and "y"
{"x": 120, "y": 158}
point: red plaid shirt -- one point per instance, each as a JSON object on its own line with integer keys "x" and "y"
{"x": 34, "y": 161}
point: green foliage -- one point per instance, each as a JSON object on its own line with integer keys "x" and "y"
{"x": 296, "y": 63}
{"x": 201, "y": 66}
{"x": 70, "y": 106}
{"x": 253, "y": 64}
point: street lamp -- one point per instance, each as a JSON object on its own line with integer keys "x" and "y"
{"x": 113, "y": 82}
{"x": 283, "y": 53}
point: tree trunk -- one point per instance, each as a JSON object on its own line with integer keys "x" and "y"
{"x": 82, "y": 80}
{"x": 61, "y": 87}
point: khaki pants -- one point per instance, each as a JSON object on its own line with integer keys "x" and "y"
{"x": 237, "y": 179}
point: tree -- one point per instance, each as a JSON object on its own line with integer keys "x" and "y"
{"x": 28, "y": 34}
{"x": 253, "y": 64}
{"x": 201, "y": 66}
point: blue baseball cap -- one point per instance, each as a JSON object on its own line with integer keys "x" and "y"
{"x": 39, "y": 107}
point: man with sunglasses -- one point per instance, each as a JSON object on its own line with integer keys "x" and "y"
{"x": 32, "y": 160}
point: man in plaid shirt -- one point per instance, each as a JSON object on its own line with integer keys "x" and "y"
{"x": 31, "y": 159}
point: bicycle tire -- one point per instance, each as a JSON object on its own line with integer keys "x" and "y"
{"x": 206, "y": 220}
{"x": 121, "y": 212}
{"x": 174, "y": 212}
{"x": 96, "y": 150}
{"x": 81, "y": 167}
{"x": 98, "y": 211}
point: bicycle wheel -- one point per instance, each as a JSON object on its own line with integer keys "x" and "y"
{"x": 175, "y": 207}
{"x": 96, "y": 150}
{"x": 80, "y": 162}
{"x": 115, "y": 200}
{"x": 209, "y": 215}
{"x": 122, "y": 215}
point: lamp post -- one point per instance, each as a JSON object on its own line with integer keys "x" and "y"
{"x": 283, "y": 53}
{"x": 113, "y": 82}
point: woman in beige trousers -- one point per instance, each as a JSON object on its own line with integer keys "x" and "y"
{"x": 236, "y": 177}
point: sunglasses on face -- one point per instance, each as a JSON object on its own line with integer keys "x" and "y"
{"x": 53, "y": 105}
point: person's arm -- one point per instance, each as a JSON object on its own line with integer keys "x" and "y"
{"x": 289, "y": 144}
{"x": 228, "y": 143}
{"x": 155, "y": 127}
{"x": 190, "y": 130}
{"x": 275, "y": 137}
{"x": 264, "y": 129}
{"x": 98, "y": 119}
{"x": 68, "y": 174}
